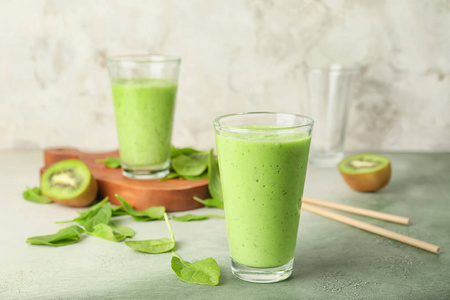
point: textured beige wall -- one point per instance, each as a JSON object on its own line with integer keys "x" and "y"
{"x": 237, "y": 56}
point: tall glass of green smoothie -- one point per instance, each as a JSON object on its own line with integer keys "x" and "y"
{"x": 144, "y": 89}
{"x": 262, "y": 161}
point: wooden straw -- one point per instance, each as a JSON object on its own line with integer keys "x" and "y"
{"x": 358, "y": 211}
{"x": 371, "y": 228}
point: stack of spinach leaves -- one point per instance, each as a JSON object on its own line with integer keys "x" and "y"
{"x": 190, "y": 164}
{"x": 186, "y": 163}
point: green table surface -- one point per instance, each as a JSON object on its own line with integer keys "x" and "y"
{"x": 333, "y": 260}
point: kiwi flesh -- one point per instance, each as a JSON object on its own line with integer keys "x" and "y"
{"x": 69, "y": 182}
{"x": 366, "y": 172}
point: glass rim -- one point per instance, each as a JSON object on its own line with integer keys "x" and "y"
{"x": 142, "y": 58}
{"x": 235, "y": 128}
{"x": 332, "y": 68}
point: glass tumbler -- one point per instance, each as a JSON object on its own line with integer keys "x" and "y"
{"x": 144, "y": 89}
{"x": 329, "y": 94}
{"x": 263, "y": 158}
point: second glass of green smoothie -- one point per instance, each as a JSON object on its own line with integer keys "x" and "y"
{"x": 262, "y": 161}
{"x": 144, "y": 89}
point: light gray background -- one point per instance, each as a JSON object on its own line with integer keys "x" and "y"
{"x": 237, "y": 56}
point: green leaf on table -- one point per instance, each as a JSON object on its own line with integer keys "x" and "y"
{"x": 91, "y": 211}
{"x": 107, "y": 232}
{"x": 155, "y": 246}
{"x": 65, "y": 236}
{"x": 124, "y": 230}
{"x": 152, "y": 246}
{"x": 190, "y": 217}
{"x": 102, "y": 216}
{"x": 209, "y": 202}
{"x": 190, "y": 165}
{"x": 205, "y": 271}
{"x": 214, "y": 185}
{"x": 35, "y": 195}
{"x": 99, "y": 213}
{"x": 149, "y": 214}
{"x": 110, "y": 162}
{"x": 118, "y": 211}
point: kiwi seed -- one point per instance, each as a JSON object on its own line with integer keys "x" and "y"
{"x": 65, "y": 178}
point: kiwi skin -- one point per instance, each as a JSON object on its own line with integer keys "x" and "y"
{"x": 85, "y": 198}
{"x": 370, "y": 181}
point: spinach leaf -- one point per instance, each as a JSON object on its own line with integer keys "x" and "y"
{"x": 155, "y": 246}
{"x": 188, "y": 163}
{"x": 171, "y": 175}
{"x": 209, "y": 202}
{"x": 152, "y": 246}
{"x": 85, "y": 214}
{"x": 106, "y": 232}
{"x": 93, "y": 208}
{"x": 66, "y": 236}
{"x": 102, "y": 216}
{"x": 149, "y": 214}
{"x": 189, "y": 217}
{"x": 125, "y": 230}
{"x": 96, "y": 214}
{"x": 192, "y": 165}
{"x": 35, "y": 195}
{"x": 201, "y": 176}
{"x": 110, "y": 162}
{"x": 205, "y": 271}
{"x": 214, "y": 186}
{"x": 118, "y": 211}
{"x": 174, "y": 152}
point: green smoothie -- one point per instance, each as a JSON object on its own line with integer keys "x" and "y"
{"x": 262, "y": 177}
{"x": 144, "y": 110}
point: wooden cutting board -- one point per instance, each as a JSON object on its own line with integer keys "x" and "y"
{"x": 174, "y": 194}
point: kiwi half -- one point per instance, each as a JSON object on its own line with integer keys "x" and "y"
{"x": 366, "y": 172}
{"x": 69, "y": 182}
